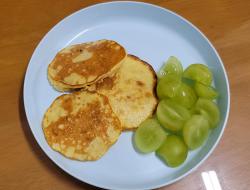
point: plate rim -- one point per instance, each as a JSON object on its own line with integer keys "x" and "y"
{"x": 132, "y": 3}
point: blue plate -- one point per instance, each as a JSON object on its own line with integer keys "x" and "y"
{"x": 151, "y": 33}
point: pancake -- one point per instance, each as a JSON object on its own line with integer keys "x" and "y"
{"x": 81, "y": 65}
{"x": 81, "y": 125}
{"x": 59, "y": 86}
{"x": 131, "y": 92}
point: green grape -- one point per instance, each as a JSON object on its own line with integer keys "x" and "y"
{"x": 185, "y": 96}
{"x": 171, "y": 67}
{"x": 189, "y": 82}
{"x": 171, "y": 115}
{"x": 149, "y": 136}
{"x": 199, "y": 73}
{"x": 195, "y": 131}
{"x": 168, "y": 87}
{"x": 209, "y": 109}
{"x": 173, "y": 151}
{"x": 204, "y": 91}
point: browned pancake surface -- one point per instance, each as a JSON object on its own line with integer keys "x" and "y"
{"x": 84, "y": 63}
{"x": 81, "y": 125}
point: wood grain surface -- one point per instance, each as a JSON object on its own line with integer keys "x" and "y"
{"x": 23, "y": 23}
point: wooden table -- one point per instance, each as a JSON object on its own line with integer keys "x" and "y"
{"x": 23, "y": 165}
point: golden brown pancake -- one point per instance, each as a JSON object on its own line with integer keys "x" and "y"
{"x": 81, "y": 125}
{"x": 131, "y": 92}
{"x": 80, "y": 65}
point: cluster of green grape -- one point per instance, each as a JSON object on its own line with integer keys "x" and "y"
{"x": 185, "y": 114}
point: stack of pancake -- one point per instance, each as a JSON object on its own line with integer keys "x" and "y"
{"x": 110, "y": 92}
